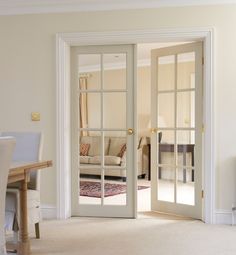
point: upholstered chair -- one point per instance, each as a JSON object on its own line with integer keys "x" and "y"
{"x": 28, "y": 149}
{"x": 7, "y": 145}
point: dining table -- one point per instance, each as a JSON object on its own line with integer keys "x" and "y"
{"x": 20, "y": 172}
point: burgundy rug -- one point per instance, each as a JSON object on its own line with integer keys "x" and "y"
{"x": 93, "y": 189}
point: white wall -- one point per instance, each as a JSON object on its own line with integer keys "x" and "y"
{"x": 28, "y": 80}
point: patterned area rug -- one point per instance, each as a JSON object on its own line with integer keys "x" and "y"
{"x": 93, "y": 189}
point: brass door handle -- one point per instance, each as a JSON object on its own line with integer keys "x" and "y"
{"x": 153, "y": 130}
{"x": 130, "y": 131}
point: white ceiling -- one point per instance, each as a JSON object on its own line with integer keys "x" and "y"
{"x": 12, "y": 7}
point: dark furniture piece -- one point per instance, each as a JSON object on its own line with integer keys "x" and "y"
{"x": 182, "y": 148}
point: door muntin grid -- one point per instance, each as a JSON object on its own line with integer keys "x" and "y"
{"x": 107, "y": 99}
{"x": 175, "y": 123}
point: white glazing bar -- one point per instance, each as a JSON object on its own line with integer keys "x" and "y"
{"x": 104, "y": 129}
{"x": 175, "y": 136}
{"x": 176, "y": 128}
{"x": 102, "y": 133}
{"x": 88, "y": 167}
{"x": 114, "y": 168}
{"x": 103, "y": 90}
{"x": 178, "y": 166}
{"x": 156, "y": 141}
{"x": 173, "y": 91}
{"x": 78, "y": 123}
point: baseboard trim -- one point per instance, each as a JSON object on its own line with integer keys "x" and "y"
{"x": 224, "y": 217}
{"x": 48, "y": 212}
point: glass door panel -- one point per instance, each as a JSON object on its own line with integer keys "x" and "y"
{"x": 186, "y": 109}
{"x": 166, "y": 184}
{"x": 89, "y": 66}
{"x": 90, "y": 189}
{"x": 114, "y": 110}
{"x": 105, "y": 150}
{"x": 166, "y": 113}
{"x": 114, "y": 71}
{"x": 176, "y": 187}
{"x": 115, "y": 169}
{"x": 89, "y": 102}
{"x": 166, "y": 73}
{"x": 185, "y": 66}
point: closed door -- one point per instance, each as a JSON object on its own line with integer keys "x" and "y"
{"x": 177, "y": 130}
{"x": 103, "y": 131}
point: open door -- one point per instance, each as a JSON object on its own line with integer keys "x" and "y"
{"x": 103, "y": 130}
{"x": 176, "y": 141}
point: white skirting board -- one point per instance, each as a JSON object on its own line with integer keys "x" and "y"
{"x": 48, "y": 212}
{"x": 224, "y": 217}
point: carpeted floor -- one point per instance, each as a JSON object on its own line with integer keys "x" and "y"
{"x": 150, "y": 234}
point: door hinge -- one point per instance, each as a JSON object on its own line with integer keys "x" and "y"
{"x": 203, "y": 61}
{"x": 202, "y": 193}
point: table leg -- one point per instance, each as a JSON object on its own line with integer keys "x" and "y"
{"x": 159, "y": 168}
{"x": 24, "y": 244}
{"x": 192, "y": 153}
{"x": 184, "y": 163}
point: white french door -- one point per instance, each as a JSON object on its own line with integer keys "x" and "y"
{"x": 176, "y": 142}
{"x": 103, "y": 124}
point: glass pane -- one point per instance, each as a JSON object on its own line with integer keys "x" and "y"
{"x": 114, "y": 110}
{"x": 166, "y": 148}
{"x": 166, "y": 73}
{"x": 166, "y": 110}
{"x": 90, "y": 150}
{"x": 89, "y": 71}
{"x": 166, "y": 184}
{"x": 90, "y": 186}
{"x": 186, "y": 70}
{"x": 186, "y": 147}
{"x": 185, "y": 190}
{"x": 115, "y": 152}
{"x": 115, "y": 145}
{"x": 115, "y": 187}
{"x": 186, "y": 109}
{"x": 89, "y": 110}
{"x": 114, "y": 71}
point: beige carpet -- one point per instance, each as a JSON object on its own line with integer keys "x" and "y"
{"x": 150, "y": 234}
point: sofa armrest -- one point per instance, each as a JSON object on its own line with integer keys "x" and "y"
{"x": 123, "y": 160}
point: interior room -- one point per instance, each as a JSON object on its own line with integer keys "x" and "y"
{"x": 117, "y": 127}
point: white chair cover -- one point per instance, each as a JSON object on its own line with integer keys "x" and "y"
{"x": 7, "y": 145}
{"x": 28, "y": 148}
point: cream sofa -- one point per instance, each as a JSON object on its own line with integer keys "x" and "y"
{"x": 112, "y": 147}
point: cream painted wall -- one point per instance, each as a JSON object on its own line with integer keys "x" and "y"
{"x": 28, "y": 79}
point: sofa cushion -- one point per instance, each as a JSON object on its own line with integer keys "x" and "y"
{"x": 84, "y": 159}
{"x": 112, "y": 160}
{"x": 96, "y": 160}
{"x": 109, "y": 160}
{"x": 116, "y": 144}
{"x": 95, "y": 144}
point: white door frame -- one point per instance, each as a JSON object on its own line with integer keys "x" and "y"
{"x": 63, "y": 154}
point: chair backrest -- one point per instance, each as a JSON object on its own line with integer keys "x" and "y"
{"x": 28, "y": 148}
{"x": 7, "y": 145}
